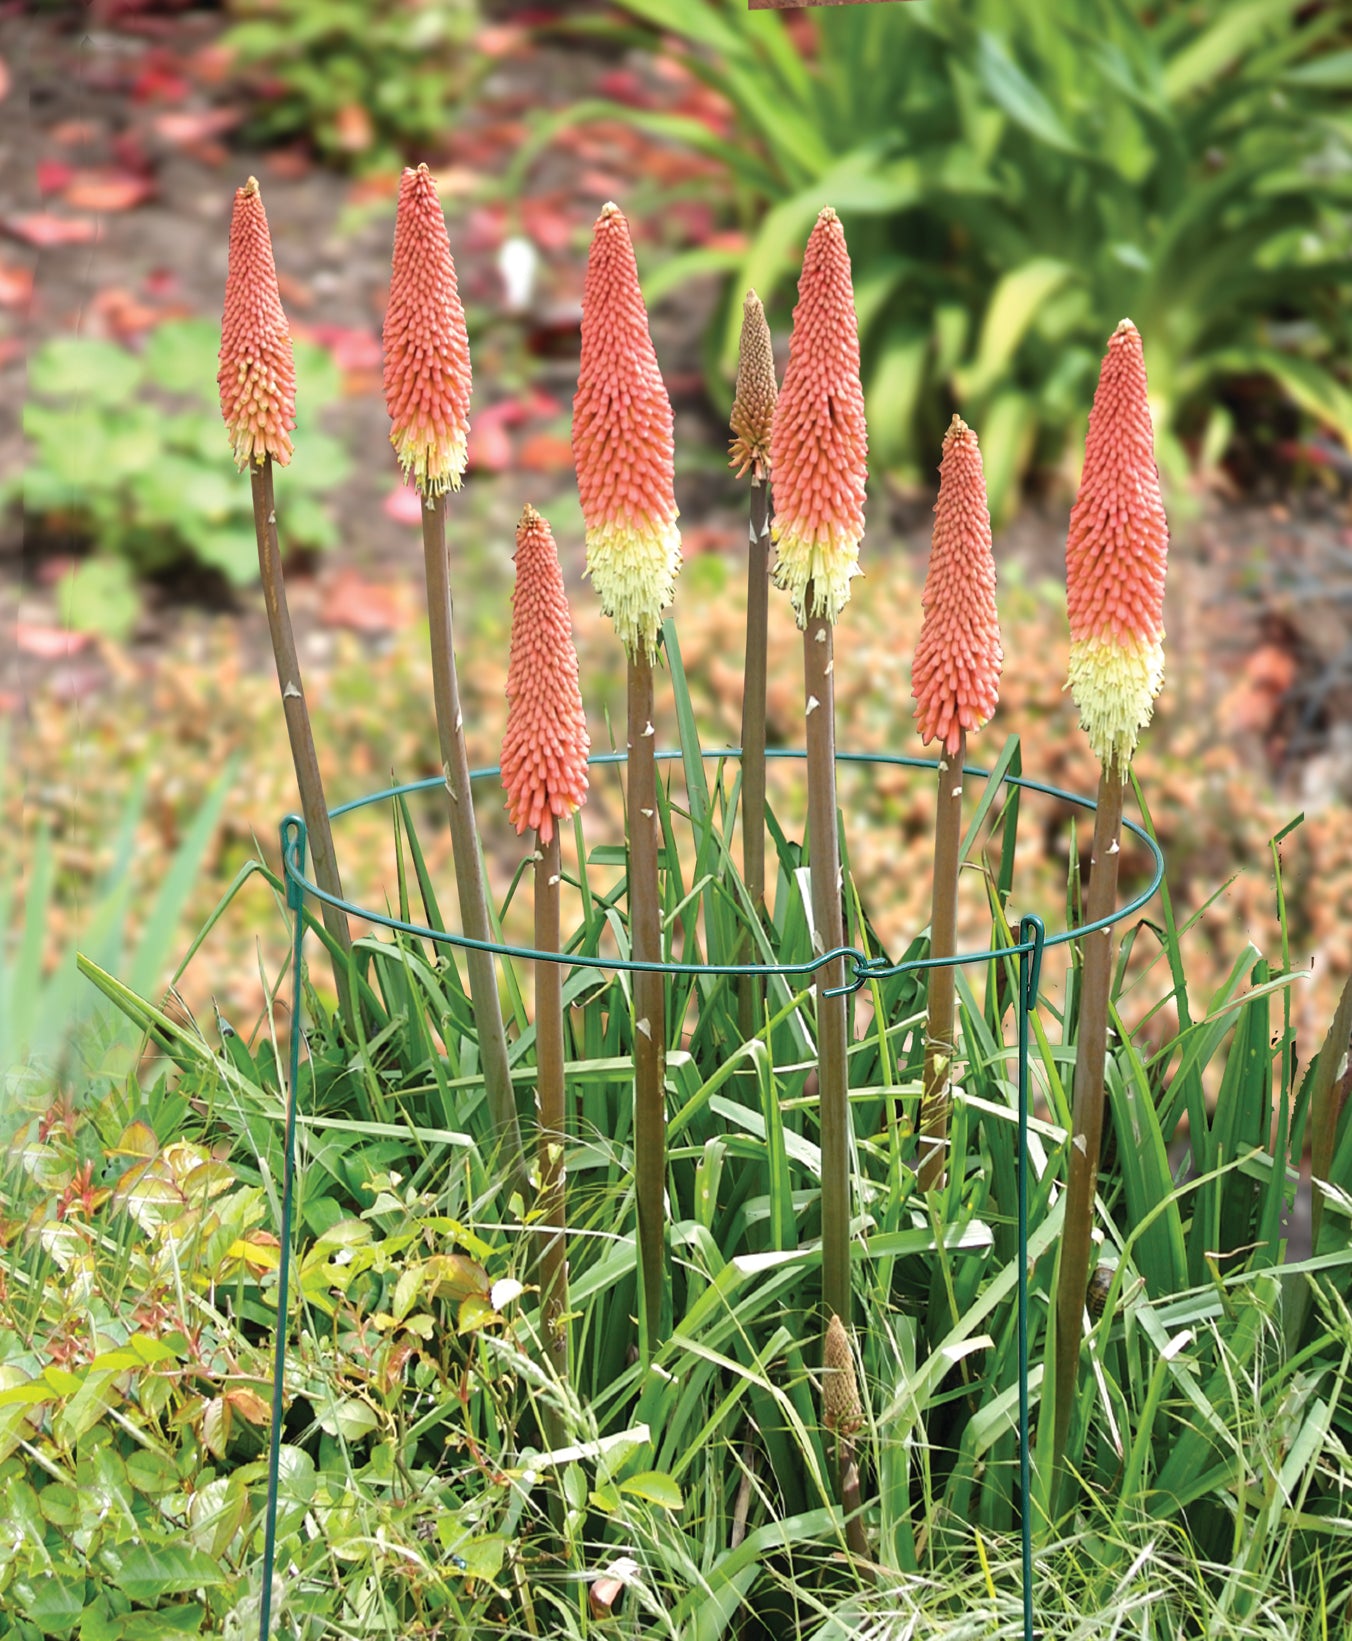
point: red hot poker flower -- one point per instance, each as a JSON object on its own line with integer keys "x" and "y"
{"x": 544, "y": 752}
{"x": 1116, "y": 552}
{"x": 956, "y": 674}
{"x": 819, "y": 448}
{"x": 623, "y": 445}
{"x": 427, "y": 368}
{"x": 257, "y": 376}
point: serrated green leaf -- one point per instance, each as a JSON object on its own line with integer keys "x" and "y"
{"x": 654, "y": 1487}
{"x": 85, "y": 372}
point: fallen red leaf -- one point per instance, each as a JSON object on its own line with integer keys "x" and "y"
{"x": 45, "y": 231}
{"x": 16, "y": 286}
{"x": 53, "y": 175}
{"x": 4, "y": 79}
{"x": 296, "y": 294}
{"x": 48, "y": 643}
{"x": 363, "y": 606}
{"x": 546, "y": 218}
{"x": 500, "y": 39}
{"x": 183, "y": 127}
{"x": 622, "y": 85}
{"x": 74, "y": 133}
{"x": 489, "y": 446}
{"x": 403, "y": 505}
{"x": 545, "y": 453}
{"x": 106, "y": 191}
{"x": 351, "y": 349}
{"x": 353, "y": 127}
{"x": 122, "y": 313}
{"x": 289, "y": 164}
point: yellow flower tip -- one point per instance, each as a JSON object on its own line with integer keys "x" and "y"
{"x": 753, "y": 407}
{"x": 1116, "y": 553}
{"x": 819, "y": 443}
{"x": 427, "y": 365}
{"x": 623, "y": 445}
{"x": 955, "y": 678}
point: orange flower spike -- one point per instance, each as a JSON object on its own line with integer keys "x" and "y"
{"x": 544, "y": 752}
{"x": 427, "y": 369}
{"x": 956, "y": 674}
{"x": 257, "y": 375}
{"x": 623, "y": 445}
{"x": 819, "y": 449}
{"x": 753, "y": 406}
{"x": 1116, "y": 552}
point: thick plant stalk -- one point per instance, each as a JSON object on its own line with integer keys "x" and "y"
{"x": 299, "y": 732}
{"x": 751, "y": 988}
{"x": 1116, "y": 552}
{"x": 828, "y": 934}
{"x": 645, "y": 939}
{"x": 623, "y": 449}
{"x": 1091, "y": 1047}
{"x": 940, "y": 1032}
{"x": 752, "y": 422}
{"x": 469, "y": 875}
{"x": 553, "y": 1246}
{"x": 955, "y": 680}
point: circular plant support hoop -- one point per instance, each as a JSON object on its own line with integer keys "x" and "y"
{"x": 1029, "y": 948}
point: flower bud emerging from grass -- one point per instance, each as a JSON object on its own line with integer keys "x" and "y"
{"x": 1115, "y": 560}
{"x": 819, "y": 448}
{"x": 623, "y": 445}
{"x": 544, "y": 752}
{"x": 427, "y": 368}
{"x": 257, "y": 376}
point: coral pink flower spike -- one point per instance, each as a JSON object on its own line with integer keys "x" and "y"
{"x": 956, "y": 674}
{"x": 257, "y": 376}
{"x": 623, "y": 446}
{"x": 1116, "y": 552}
{"x": 819, "y": 448}
{"x": 427, "y": 369}
{"x": 544, "y": 752}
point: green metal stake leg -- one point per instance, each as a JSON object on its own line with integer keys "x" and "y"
{"x": 293, "y": 856}
{"x": 1031, "y": 936}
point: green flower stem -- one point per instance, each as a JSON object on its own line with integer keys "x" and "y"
{"x": 1087, "y": 1108}
{"x": 299, "y": 732}
{"x": 553, "y": 1248}
{"x": 649, "y": 988}
{"x": 469, "y": 876}
{"x": 829, "y": 922}
{"x": 753, "y": 741}
{"x": 940, "y": 1035}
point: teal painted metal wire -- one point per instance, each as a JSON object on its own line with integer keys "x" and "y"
{"x": 1033, "y": 941}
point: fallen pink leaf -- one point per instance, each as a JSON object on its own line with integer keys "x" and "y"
{"x": 403, "y": 505}
{"x": 46, "y": 232}
{"x": 48, "y": 643}
{"x": 106, "y": 191}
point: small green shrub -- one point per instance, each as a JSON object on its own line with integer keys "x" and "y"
{"x": 129, "y": 454}
{"x": 365, "y": 84}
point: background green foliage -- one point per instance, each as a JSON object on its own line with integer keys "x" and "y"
{"x": 365, "y": 84}
{"x": 1015, "y": 177}
{"x": 128, "y": 451}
